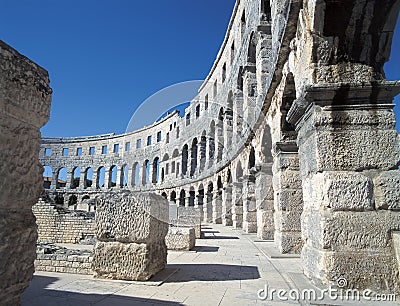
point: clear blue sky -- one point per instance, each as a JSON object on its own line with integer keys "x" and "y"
{"x": 106, "y": 57}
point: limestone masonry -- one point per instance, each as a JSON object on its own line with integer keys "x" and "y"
{"x": 292, "y": 136}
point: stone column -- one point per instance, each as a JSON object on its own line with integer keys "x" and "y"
{"x": 227, "y": 206}
{"x": 118, "y": 177}
{"x": 25, "y": 98}
{"x": 94, "y": 179}
{"x": 217, "y": 207}
{"x": 249, "y": 94}
{"x": 106, "y": 177}
{"x": 199, "y": 203}
{"x": 288, "y": 201}
{"x": 81, "y": 180}
{"x": 70, "y": 179}
{"x": 54, "y": 179}
{"x": 208, "y": 207}
{"x": 264, "y": 202}
{"x": 237, "y": 116}
{"x": 237, "y": 205}
{"x": 349, "y": 156}
{"x": 249, "y": 204}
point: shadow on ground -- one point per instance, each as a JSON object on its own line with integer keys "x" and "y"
{"x": 39, "y": 294}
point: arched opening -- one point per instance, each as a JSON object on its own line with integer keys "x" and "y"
{"x": 210, "y": 190}
{"x": 101, "y": 175}
{"x": 252, "y": 159}
{"x": 266, "y": 11}
{"x": 124, "y": 176}
{"x": 85, "y": 197}
{"x": 47, "y": 177}
{"x": 146, "y": 172}
{"x": 72, "y": 200}
{"x": 211, "y": 144}
{"x": 220, "y": 134}
{"x": 289, "y": 95}
{"x": 193, "y": 157}
{"x": 243, "y": 22}
{"x": 164, "y": 195}
{"x": 59, "y": 199}
{"x": 185, "y": 156}
{"x": 173, "y": 197}
{"x": 62, "y": 178}
{"x": 266, "y": 144}
{"x": 229, "y": 121}
{"x": 112, "y": 176}
{"x": 192, "y": 195}
{"x": 135, "y": 174}
{"x": 156, "y": 170}
{"x": 229, "y": 176}
{"x": 200, "y": 197}
{"x": 162, "y": 175}
{"x": 203, "y": 150}
{"x": 88, "y": 182}
{"x": 76, "y": 175}
{"x": 251, "y": 51}
{"x": 182, "y": 198}
{"x": 239, "y": 171}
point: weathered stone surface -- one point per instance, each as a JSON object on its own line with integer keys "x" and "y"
{"x": 128, "y": 217}
{"x": 387, "y": 191}
{"x": 131, "y": 230}
{"x": 25, "y": 98}
{"x": 188, "y": 217}
{"x": 128, "y": 261}
{"x": 180, "y": 238}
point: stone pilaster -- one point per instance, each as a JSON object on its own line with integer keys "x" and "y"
{"x": 208, "y": 207}
{"x": 227, "y": 206}
{"x": 349, "y": 156}
{"x": 288, "y": 201}
{"x": 217, "y": 207}
{"x": 237, "y": 116}
{"x": 237, "y": 205}
{"x": 264, "y": 202}
{"x": 250, "y": 95}
{"x": 249, "y": 204}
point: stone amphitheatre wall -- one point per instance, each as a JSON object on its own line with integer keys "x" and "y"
{"x": 292, "y": 136}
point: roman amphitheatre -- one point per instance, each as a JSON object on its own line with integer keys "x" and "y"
{"x": 282, "y": 173}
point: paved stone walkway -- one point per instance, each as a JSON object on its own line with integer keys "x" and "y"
{"x": 228, "y": 267}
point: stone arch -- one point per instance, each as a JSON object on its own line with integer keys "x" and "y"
{"x": 101, "y": 174}
{"x": 72, "y": 200}
{"x": 203, "y": 150}
{"x": 62, "y": 174}
{"x": 88, "y": 179}
{"x": 165, "y": 157}
{"x": 112, "y": 176}
{"x": 47, "y": 177}
{"x": 156, "y": 170}
{"x": 185, "y": 157}
{"x": 211, "y": 143}
{"x": 251, "y": 50}
{"x": 194, "y": 152}
{"x": 135, "y": 174}
{"x": 124, "y": 176}
{"x": 266, "y": 145}
{"x": 173, "y": 196}
{"x": 200, "y": 196}
{"x": 266, "y": 11}
{"x": 220, "y": 134}
{"x": 289, "y": 95}
{"x": 182, "y": 197}
{"x": 239, "y": 171}
{"x": 192, "y": 196}
{"x": 164, "y": 195}
{"x": 252, "y": 159}
{"x": 146, "y": 172}
{"x": 228, "y": 131}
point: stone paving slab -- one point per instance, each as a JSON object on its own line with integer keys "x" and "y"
{"x": 226, "y": 268}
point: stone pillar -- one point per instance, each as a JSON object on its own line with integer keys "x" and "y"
{"x": 264, "y": 202}
{"x": 106, "y": 177}
{"x": 237, "y": 205}
{"x": 249, "y": 102}
{"x": 199, "y": 203}
{"x": 70, "y": 179}
{"x": 349, "y": 156}
{"x": 288, "y": 201}
{"x": 94, "y": 179}
{"x": 131, "y": 244}
{"x": 208, "y": 207}
{"x": 25, "y": 98}
{"x": 81, "y": 180}
{"x": 53, "y": 184}
{"x": 249, "y": 204}
{"x": 228, "y": 131}
{"x": 118, "y": 177}
{"x": 237, "y": 116}
{"x": 227, "y": 206}
{"x": 217, "y": 207}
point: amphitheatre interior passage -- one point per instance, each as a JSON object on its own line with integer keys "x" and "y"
{"x": 291, "y": 137}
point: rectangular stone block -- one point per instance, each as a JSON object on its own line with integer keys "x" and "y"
{"x": 127, "y": 217}
{"x": 180, "y": 238}
{"x": 128, "y": 261}
{"x": 387, "y": 191}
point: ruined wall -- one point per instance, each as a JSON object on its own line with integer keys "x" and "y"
{"x": 25, "y": 98}
{"x": 59, "y": 225}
